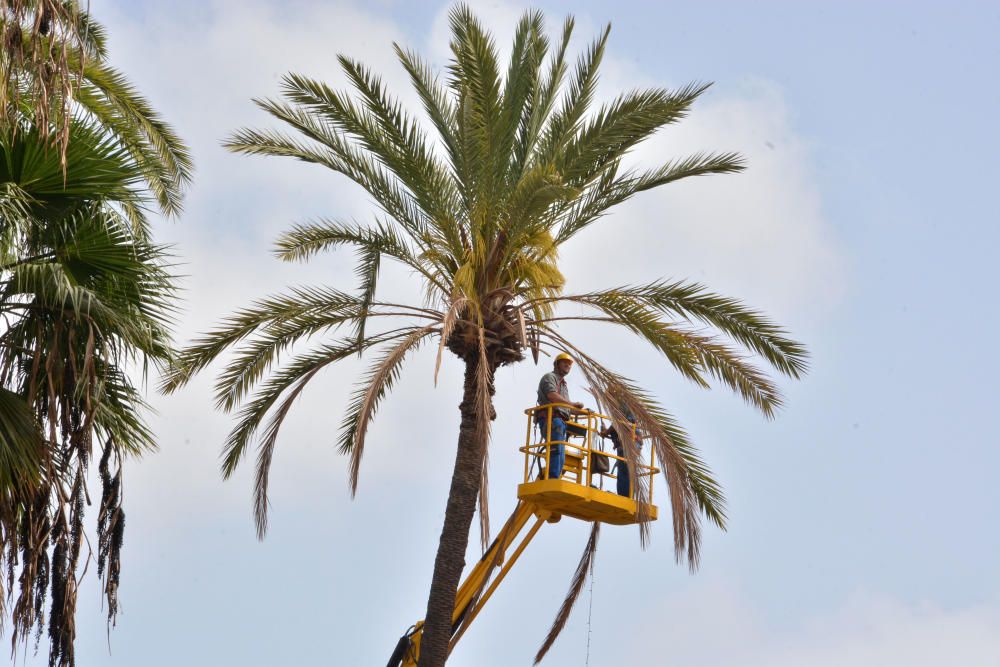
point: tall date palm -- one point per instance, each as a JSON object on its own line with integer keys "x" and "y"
{"x": 520, "y": 163}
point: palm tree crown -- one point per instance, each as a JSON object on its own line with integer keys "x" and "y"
{"x": 521, "y": 163}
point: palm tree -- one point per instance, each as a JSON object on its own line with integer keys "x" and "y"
{"x": 86, "y": 299}
{"x": 521, "y": 164}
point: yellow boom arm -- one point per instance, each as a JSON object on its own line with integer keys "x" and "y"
{"x": 476, "y": 589}
{"x": 578, "y": 492}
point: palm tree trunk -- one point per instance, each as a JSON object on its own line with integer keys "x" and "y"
{"x": 450, "y": 560}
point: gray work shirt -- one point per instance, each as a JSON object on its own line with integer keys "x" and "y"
{"x": 557, "y": 383}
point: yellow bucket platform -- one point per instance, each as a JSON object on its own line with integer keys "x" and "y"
{"x": 582, "y": 502}
{"x": 578, "y": 492}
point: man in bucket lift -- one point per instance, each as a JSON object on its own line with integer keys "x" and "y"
{"x": 553, "y": 389}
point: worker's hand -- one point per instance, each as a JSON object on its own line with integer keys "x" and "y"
{"x": 578, "y": 405}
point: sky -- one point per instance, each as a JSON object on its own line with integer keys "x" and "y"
{"x": 862, "y": 520}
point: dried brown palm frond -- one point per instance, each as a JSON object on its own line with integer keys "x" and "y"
{"x": 265, "y": 452}
{"x": 484, "y": 502}
{"x": 583, "y": 568}
{"x": 485, "y": 416}
{"x": 691, "y": 488}
{"x": 379, "y": 382}
{"x": 451, "y": 317}
{"x": 45, "y": 44}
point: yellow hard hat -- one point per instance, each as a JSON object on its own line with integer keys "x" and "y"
{"x": 561, "y": 356}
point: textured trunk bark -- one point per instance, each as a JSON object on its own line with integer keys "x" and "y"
{"x": 450, "y": 560}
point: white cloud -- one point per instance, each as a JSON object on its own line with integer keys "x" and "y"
{"x": 714, "y": 625}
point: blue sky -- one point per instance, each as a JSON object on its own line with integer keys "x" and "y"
{"x": 863, "y": 524}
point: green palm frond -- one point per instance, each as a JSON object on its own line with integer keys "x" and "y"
{"x": 164, "y": 161}
{"x": 692, "y": 302}
{"x": 305, "y": 240}
{"x": 438, "y": 106}
{"x": 519, "y": 87}
{"x": 332, "y": 151}
{"x": 261, "y": 352}
{"x": 301, "y": 302}
{"x": 748, "y": 327}
{"x": 476, "y": 83}
{"x": 21, "y": 446}
{"x": 692, "y": 353}
{"x": 252, "y": 414}
{"x": 97, "y": 166}
{"x": 400, "y": 142}
{"x": 619, "y": 126}
{"x": 577, "y": 100}
{"x": 538, "y": 106}
{"x": 611, "y": 189}
{"x": 291, "y": 379}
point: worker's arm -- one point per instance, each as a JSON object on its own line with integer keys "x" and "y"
{"x": 556, "y": 397}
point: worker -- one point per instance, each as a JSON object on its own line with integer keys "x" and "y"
{"x": 621, "y": 467}
{"x": 553, "y": 389}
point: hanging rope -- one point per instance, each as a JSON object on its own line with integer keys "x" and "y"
{"x": 590, "y": 611}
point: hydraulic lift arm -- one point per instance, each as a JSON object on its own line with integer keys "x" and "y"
{"x": 473, "y": 593}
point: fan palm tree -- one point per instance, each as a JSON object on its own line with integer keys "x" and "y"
{"x": 85, "y": 299}
{"x": 521, "y": 164}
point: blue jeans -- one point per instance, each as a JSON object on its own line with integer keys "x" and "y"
{"x": 621, "y": 471}
{"x": 557, "y": 452}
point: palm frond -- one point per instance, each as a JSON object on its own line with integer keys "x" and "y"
{"x": 373, "y": 387}
{"x": 437, "y": 105}
{"x": 265, "y": 452}
{"x": 610, "y": 189}
{"x": 620, "y": 125}
{"x": 338, "y": 306}
{"x": 305, "y": 240}
{"x": 692, "y": 353}
{"x": 335, "y": 152}
{"x": 164, "y": 160}
{"x": 252, "y": 414}
{"x": 539, "y": 106}
{"x": 21, "y": 446}
{"x": 565, "y": 124}
{"x": 527, "y": 54}
{"x": 583, "y": 568}
{"x": 397, "y": 139}
{"x": 744, "y": 325}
